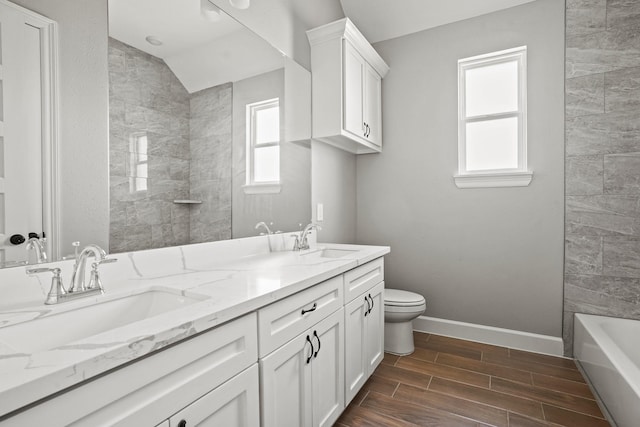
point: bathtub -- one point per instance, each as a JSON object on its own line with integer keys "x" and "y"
{"x": 608, "y": 349}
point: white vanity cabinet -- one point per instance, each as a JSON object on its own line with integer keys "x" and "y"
{"x": 346, "y": 86}
{"x": 148, "y": 391}
{"x": 302, "y": 357}
{"x": 364, "y": 325}
{"x": 234, "y": 404}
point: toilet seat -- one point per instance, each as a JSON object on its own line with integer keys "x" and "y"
{"x": 400, "y": 298}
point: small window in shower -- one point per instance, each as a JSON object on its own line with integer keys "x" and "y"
{"x": 138, "y": 162}
{"x": 263, "y": 147}
{"x": 492, "y": 120}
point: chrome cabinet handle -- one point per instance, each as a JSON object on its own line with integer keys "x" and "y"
{"x": 313, "y": 308}
{"x": 312, "y": 349}
{"x": 315, "y": 334}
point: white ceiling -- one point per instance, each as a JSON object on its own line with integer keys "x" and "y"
{"x": 200, "y": 53}
{"x": 386, "y": 19}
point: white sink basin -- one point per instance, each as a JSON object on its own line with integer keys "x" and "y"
{"x": 331, "y": 253}
{"x": 76, "y": 324}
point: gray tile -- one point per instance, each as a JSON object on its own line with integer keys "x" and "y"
{"x": 615, "y": 296}
{"x": 584, "y": 175}
{"x": 623, "y": 13}
{"x": 622, "y": 256}
{"x": 603, "y": 215}
{"x": 622, "y": 89}
{"x": 174, "y": 146}
{"x": 583, "y": 254}
{"x": 567, "y": 333}
{"x": 601, "y": 52}
{"x": 211, "y": 100}
{"x": 622, "y": 174}
{"x": 585, "y": 16}
{"x": 584, "y": 95}
{"x": 168, "y": 189}
{"x": 118, "y": 163}
{"x": 608, "y": 133}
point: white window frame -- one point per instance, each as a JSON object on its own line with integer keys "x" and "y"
{"x": 252, "y": 187}
{"x": 511, "y": 177}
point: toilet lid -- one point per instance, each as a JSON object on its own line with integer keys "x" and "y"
{"x": 404, "y": 298}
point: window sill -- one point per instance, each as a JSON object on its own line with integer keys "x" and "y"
{"x": 272, "y": 188}
{"x": 494, "y": 180}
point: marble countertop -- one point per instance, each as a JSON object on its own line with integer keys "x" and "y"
{"x": 225, "y": 289}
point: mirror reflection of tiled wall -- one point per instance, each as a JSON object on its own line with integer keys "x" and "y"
{"x": 165, "y": 145}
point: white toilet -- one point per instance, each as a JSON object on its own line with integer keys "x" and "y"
{"x": 400, "y": 308}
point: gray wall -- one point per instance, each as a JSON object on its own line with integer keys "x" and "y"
{"x": 485, "y": 256}
{"x": 291, "y": 206}
{"x": 83, "y": 134}
{"x": 333, "y": 183}
{"x": 602, "y": 270}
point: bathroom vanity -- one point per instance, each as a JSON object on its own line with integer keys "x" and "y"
{"x": 224, "y": 333}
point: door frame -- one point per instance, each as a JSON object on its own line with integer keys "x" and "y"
{"x": 50, "y": 126}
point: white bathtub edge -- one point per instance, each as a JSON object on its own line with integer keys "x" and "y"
{"x": 527, "y": 341}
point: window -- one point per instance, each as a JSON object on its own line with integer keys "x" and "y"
{"x": 492, "y": 120}
{"x": 138, "y": 162}
{"x": 263, "y": 147}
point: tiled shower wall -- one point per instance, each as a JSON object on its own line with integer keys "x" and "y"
{"x": 188, "y": 155}
{"x": 602, "y": 218}
{"x": 210, "y": 174}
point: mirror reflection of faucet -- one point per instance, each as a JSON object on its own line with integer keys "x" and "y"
{"x": 37, "y": 245}
{"x": 78, "y": 287}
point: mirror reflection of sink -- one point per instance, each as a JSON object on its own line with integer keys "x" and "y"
{"x": 76, "y": 324}
{"x": 332, "y": 253}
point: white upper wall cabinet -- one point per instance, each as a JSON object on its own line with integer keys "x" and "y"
{"x": 346, "y": 88}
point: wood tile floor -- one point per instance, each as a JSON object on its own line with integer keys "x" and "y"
{"x": 451, "y": 382}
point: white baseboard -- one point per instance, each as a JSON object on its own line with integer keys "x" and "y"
{"x": 520, "y": 340}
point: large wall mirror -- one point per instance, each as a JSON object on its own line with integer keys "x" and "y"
{"x": 201, "y": 145}
{"x": 209, "y": 129}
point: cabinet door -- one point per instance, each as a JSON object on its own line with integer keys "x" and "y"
{"x": 374, "y": 332}
{"x": 285, "y": 395}
{"x": 327, "y": 369}
{"x": 353, "y": 86}
{"x": 355, "y": 314}
{"x": 234, "y": 403}
{"x": 372, "y": 105}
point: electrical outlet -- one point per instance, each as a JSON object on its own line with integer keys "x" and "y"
{"x": 320, "y": 212}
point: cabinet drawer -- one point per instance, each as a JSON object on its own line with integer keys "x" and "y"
{"x": 280, "y": 322}
{"x": 361, "y": 278}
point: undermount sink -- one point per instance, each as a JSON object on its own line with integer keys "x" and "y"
{"x": 332, "y": 253}
{"x": 66, "y": 327}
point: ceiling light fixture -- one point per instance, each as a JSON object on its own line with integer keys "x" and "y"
{"x": 209, "y": 11}
{"x": 153, "y": 40}
{"x": 240, "y": 4}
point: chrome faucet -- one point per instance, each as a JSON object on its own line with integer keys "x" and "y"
{"x": 302, "y": 241}
{"x": 79, "y": 268}
{"x": 36, "y": 244}
{"x": 77, "y": 288}
{"x": 265, "y": 226}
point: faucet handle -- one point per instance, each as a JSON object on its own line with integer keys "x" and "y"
{"x": 57, "y": 288}
{"x": 296, "y": 244}
{"x": 106, "y": 261}
{"x": 55, "y": 271}
{"x": 76, "y": 245}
